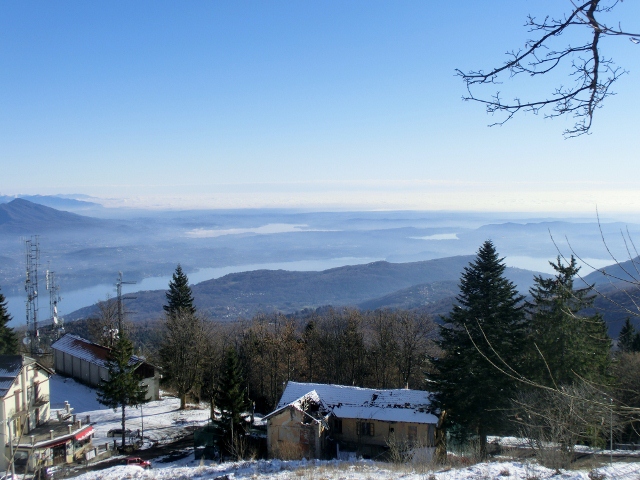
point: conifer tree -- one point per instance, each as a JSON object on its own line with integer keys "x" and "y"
{"x": 628, "y": 339}
{"x": 567, "y": 342}
{"x": 184, "y": 339}
{"x": 179, "y": 296}
{"x": 231, "y": 397}
{"x": 123, "y": 388}
{"x": 484, "y": 330}
{"x": 8, "y": 339}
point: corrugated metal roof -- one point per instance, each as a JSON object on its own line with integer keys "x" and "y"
{"x": 86, "y": 350}
{"x": 397, "y": 405}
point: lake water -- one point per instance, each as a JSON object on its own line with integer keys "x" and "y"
{"x": 75, "y": 299}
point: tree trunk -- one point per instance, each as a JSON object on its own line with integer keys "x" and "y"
{"x": 482, "y": 444}
{"x": 183, "y": 401}
{"x": 441, "y": 439}
{"x": 123, "y": 423}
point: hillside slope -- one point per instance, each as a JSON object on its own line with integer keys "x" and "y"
{"x": 247, "y": 293}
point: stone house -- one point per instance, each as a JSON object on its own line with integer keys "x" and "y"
{"x": 325, "y": 421}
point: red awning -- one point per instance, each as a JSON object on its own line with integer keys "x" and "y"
{"x": 83, "y": 434}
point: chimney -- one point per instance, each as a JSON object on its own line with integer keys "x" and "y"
{"x": 33, "y": 439}
{"x": 70, "y": 427}
{"x": 50, "y": 434}
{"x": 67, "y": 407}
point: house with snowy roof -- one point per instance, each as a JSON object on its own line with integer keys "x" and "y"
{"x": 30, "y": 440}
{"x": 86, "y": 361}
{"x": 315, "y": 420}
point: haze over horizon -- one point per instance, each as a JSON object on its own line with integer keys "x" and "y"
{"x": 295, "y": 105}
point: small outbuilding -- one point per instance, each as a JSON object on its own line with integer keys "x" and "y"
{"x": 326, "y": 421}
{"x": 86, "y": 362}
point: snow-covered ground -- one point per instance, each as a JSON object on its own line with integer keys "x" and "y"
{"x": 163, "y": 422}
{"x": 362, "y": 470}
{"x": 81, "y": 397}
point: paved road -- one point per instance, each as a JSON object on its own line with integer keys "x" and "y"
{"x": 171, "y": 451}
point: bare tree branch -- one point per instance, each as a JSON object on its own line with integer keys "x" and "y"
{"x": 592, "y": 74}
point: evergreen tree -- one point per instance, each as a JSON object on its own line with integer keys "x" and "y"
{"x": 179, "y": 296}
{"x": 231, "y": 398}
{"x": 485, "y": 327}
{"x": 123, "y": 388}
{"x": 182, "y": 352}
{"x": 567, "y": 343}
{"x": 628, "y": 338}
{"x": 8, "y": 339}
{"x": 182, "y": 348}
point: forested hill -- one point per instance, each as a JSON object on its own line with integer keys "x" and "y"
{"x": 24, "y": 217}
{"x": 247, "y": 293}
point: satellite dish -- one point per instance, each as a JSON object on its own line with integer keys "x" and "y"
{"x": 26, "y": 340}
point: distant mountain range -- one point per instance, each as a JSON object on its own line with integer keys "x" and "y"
{"x": 60, "y": 202}
{"x": 24, "y": 217}
{"x": 369, "y": 286}
{"x": 87, "y": 251}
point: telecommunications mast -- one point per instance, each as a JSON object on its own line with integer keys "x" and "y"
{"x": 32, "y": 251}
{"x": 54, "y": 298}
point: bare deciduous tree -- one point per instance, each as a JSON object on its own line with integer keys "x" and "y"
{"x": 590, "y": 74}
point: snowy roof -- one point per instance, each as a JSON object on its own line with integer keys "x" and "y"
{"x": 10, "y": 368}
{"x": 86, "y": 350}
{"x": 398, "y": 405}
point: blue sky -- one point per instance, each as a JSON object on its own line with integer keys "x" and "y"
{"x": 296, "y": 104}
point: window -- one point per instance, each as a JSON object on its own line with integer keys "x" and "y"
{"x": 337, "y": 425}
{"x": 366, "y": 429}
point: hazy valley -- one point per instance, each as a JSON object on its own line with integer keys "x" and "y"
{"x": 379, "y": 259}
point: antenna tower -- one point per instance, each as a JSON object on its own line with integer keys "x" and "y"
{"x": 32, "y": 251}
{"x": 54, "y": 298}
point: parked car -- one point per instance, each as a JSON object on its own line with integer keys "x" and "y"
{"x": 139, "y": 462}
{"x": 117, "y": 432}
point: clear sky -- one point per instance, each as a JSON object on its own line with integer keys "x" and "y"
{"x": 327, "y": 104}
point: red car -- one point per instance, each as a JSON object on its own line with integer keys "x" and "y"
{"x": 139, "y": 462}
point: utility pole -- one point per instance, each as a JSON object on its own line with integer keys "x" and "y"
{"x": 119, "y": 284}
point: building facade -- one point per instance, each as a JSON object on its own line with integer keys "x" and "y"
{"x": 86, "y": 362}
{"x": 30, "y": 440}
{"x": 327, "y": 421}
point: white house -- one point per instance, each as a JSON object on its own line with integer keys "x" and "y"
{"x": 29, "y": 439}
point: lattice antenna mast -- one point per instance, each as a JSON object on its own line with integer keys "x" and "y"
{"x": 32, "y": 251}
{"x": 119, "y": 284}
{"x": 54, "y": 299}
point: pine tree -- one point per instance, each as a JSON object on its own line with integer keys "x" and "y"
{"x": 123, "y": 388}
{"x": 8, "y": 339}
{"x": 486, "y": 326}
{"x": 567, "y": 343}
{"x": 179, "y": 296}
{"x": 184, "y": 340}
{"x": 627, "y": 340}
{"x": 231, "y": 398}
{"x": 182, "y": 352}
